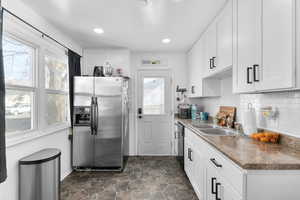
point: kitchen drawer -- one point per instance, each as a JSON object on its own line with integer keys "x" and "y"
{"x": 227, "y": 169}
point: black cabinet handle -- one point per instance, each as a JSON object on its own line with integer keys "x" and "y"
{"x": 193, "y": 89}
{"x": 255, "y": 68}
{"x": 190, "y": 154}
{"x": 248, "y": 75}
{"x": 210, "y": 63}
{"x": 217, "y": 191}
{"x": 213, "y": 179}
{"x": 213, "y": 61}
{"x": 140, "y": 112}
{"x": 213, "y": 160}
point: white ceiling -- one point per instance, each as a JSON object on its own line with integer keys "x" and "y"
{"x": 130, "y": 23}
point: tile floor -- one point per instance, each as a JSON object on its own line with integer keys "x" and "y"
{"x": 144, "y": 178}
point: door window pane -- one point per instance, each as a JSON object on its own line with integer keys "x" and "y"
{"x": 56, "y": 73}
{"x": 57, "y": 106}
{"x": 154, "y": 96}
{"x": 19, "y": 60}
{"x": 18, "y": 110}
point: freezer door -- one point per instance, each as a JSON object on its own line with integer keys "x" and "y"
{"x": 83, "y": 147}
{"x": 108, "y": 86}
{"x": 83, "y": 90}
{"x": 108, "y": 139}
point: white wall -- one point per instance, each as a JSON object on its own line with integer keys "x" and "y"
{"x": 9, "y": 189}
{"x": 118, "y": 58}
{"x": 287, "y": 103}
{"x": 177, "y": 62}
{"x": 22, "y": 10}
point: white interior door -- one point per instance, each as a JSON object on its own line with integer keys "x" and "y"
{"x": 154, "y": 112}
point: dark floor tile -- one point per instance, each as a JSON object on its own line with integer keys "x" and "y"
{"x": 144, "y": 178}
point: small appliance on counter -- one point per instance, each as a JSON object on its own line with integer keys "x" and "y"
{"x": 184, "y": 111}
{"x": 98, "y": 71}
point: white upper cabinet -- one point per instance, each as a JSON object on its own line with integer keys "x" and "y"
{"x": 265, "y": 45}
{"x": 210, "y": 42}
{"x": 198, "y": 86}
{"x": 278, "y": 63}
{"x": 248, "y": 43}
{"x": 195, "y": 74}
{"x": 224, "y": 38}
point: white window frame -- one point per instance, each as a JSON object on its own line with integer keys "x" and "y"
{"x": 33, "y": 88}
{"x": 21, "y": 32}
{"x": 59, "y": 53}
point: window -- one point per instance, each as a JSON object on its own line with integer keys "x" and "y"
{"x": 19, "y": 61}
{"x": 19, "y": 67}
{"x": 36, "y": 81}
{"x": 56, "y": 84}
{"x": 154, "y": 96}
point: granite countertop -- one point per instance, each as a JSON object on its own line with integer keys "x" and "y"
{"x": 250, "y": 154}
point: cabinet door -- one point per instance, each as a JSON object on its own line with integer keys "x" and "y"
{"x": 198, "y": 72}
{"x": 191, "y": 58}
{"x": 224, "y": 37}
{"x": 195, "y": 63}
{"x": 211, "y": 48}
{"x": 217, "y": 187}
{"x": 248, "y": 43}
{"x": 198, "y": 172}
{"x": 187, "y": 160}
{"x": 210, "y": 181}
{"x": 278, "y": 63}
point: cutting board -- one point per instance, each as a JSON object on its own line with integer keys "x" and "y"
{"x": 229, "y": 111}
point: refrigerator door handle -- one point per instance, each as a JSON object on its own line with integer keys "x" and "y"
{"x": 96, "y": 116}
{"x": 92, "y": 116}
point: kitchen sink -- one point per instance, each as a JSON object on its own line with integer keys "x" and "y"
{"x": 203, "y": 126}
{"x": 217, "y": 131}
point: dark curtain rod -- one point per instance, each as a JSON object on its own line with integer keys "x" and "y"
{"x": 25, "y": 22}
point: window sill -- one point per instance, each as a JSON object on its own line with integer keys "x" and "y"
{"x": 15, "y": 140}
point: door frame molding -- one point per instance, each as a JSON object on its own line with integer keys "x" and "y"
{"x": 136, "y": 99}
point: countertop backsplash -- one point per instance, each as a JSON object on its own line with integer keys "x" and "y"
{"x": 287, "y": 104}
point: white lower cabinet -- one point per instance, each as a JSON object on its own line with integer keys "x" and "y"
{"x": 217, "y": 187}
{"x": 216, "y": 177}
{"x": 194, "y": 166}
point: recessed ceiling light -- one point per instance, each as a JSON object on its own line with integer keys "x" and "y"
{"x": 98, "y": 30}
{"x": 166, "y": 40}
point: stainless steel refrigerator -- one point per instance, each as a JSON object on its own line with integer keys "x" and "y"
{"x": 100, "y": 127}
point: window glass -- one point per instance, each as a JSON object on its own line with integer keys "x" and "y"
{"x": 57, "y": 107}
{"x": 56, "y": 73}
{"x": 18, "y": 111}
{"x": 154, "y": 96}
{"x": 19, "y": 60}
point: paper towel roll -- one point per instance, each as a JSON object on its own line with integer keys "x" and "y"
{"x": 249, "y": 121}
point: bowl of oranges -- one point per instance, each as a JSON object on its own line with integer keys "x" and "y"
{"x": 267, "y": 137}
